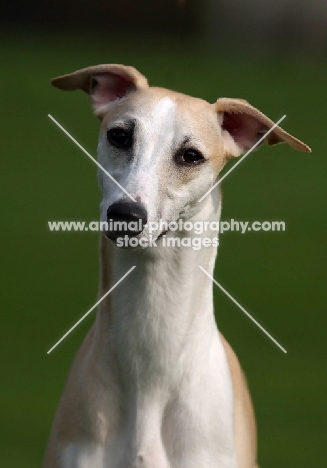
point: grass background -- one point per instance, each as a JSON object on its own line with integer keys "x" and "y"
{"x": 49, "y": 280}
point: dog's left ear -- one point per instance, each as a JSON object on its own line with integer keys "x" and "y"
{"x": 103, "y": 83}
{"x": 243, "y": 125}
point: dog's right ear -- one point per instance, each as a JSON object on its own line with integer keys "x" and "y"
{"x": 103, "y": 83}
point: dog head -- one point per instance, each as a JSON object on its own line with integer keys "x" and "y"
{"x": 161, "y": 151}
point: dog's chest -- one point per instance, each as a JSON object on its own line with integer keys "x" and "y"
{"x": 192, "y": 428}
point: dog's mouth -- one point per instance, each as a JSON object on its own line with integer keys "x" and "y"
{"x": 112, "y": 235}
{"x": 163, "y": 233}
{"x": 129, "y": 240}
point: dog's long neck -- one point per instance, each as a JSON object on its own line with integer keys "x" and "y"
{"x": 161, "y": 314}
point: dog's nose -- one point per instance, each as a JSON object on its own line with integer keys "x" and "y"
{"x": 126, "y": 218}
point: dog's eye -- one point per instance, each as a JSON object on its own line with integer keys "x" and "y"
{"x": 190, "y": 157}
{"x": 119, "y": 138}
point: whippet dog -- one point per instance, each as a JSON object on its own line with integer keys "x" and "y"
{"x": 155, "y": 385}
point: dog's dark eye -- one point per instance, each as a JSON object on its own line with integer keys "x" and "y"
{"x": 190, "y": 157}
{"x": 119, "y": 138}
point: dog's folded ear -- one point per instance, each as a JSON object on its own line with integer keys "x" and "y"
{"x": 243, "y": 125}
{"x": 104, "y": 83}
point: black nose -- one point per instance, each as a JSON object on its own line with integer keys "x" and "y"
{"x": 126, "y": 218}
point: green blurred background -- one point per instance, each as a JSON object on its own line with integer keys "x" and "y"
{"x": 49, "y": 280}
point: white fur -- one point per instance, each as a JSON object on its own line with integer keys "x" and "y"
{"x": 174, "y": 379}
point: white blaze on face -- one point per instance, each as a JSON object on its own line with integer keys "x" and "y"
{"x": 154, "y": 138}
{"x": 157, "y": 130}
{"x": 163, "y": 112}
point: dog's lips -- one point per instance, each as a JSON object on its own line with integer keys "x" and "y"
{"x": 123, "y": 235}
{"x": 163, "y": 233}
{"x": 127, "y": 236}
{"x": 112, "y": 235}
